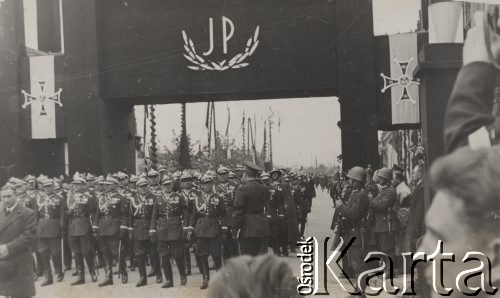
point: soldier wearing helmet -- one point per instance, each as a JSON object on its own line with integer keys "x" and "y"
{"x": 352, "y": 215}
{"x": 385, "y": 221}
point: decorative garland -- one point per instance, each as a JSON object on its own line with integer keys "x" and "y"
{"x": 238, "y": 61}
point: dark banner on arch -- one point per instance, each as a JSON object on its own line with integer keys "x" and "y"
{"x": 162, "y": 51}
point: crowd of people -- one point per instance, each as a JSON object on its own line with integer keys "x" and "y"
{"x": 151, "y": 218}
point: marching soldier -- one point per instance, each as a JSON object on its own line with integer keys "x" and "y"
{"x": 110, "y": 225}
{"x": 206, "y": 215}
{"x": 226, "y": 189}
{"x": 189, "y": 193}
{"x": 79, "y": 209}
{"x": 278, "y": 204}
{"x": 48, "y": 231}
{"x": 125, "y": 191}
{"x": 290, "y": 212}
{"x": 302, "y": 205}
{"x": 141, "y": 210}
{"x": 250, "y": 222}
{"x": 167, "y": 224}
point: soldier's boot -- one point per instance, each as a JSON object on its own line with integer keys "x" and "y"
{"x": 157, "y": 265}
{"x": 122, "y": 268}
{"x": 187, "y": 258}
{"x": 133, "y": 263}
{"x": 141, "y": 266}
{"x": 182, "y": 270}
{"x": 217, "y": 263}
{"x": 58, "y": 267}
{"x": 48, "y": 278}
{"x": 152, "y": 271}
{"x": 81, "y": 271}
{"x": 91, "y": 266}
{"x": 109, "y": 274}
{"x": 205, "y": 272}
{"x": 167, "y": 268}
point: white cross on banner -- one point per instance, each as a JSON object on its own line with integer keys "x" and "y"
{"x": 403, "y": 55}
{"x": 43, "y": 113}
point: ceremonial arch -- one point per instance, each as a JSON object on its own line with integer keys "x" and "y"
{"x": 72, "y": 71}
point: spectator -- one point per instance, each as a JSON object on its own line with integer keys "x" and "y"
{"x": 467, "y": 191}
{"x": 254, "y": 277}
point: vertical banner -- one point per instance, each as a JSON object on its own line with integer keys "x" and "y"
{"x": 403, "y": 52}
{"x": 43, "y": 110}
{"x": 398, "y": 91}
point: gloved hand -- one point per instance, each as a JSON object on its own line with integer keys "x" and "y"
{"x": 189, "y": 235}
{"x": 95, "y": 231}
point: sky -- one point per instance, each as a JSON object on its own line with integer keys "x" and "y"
{"x": 308, "y": 130}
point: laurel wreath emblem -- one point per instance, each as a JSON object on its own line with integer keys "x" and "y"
{"x": 238, "y": 61}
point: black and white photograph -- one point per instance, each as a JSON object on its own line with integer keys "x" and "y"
{"x": 249, "y": 148}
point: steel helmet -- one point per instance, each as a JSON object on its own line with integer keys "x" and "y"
{"x": 384, "y": 173}
{"x": 357, "y": 173}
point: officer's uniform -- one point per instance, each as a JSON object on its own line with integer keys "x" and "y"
{"x": 302, "y": 205}
{"x": 248, "y": 213}
{"x": 141, "y": 210}
{"x": 111, "y": 224}
{"x": 279, "y": 231}
{"x": 206, "y": 216}
{"x": 226, "y": 191}
{"x": 189, "y": 196}
{"x": 80, "y": 207}
{"x": 48, "y": 233}
{"x": 127, "y": 193}
{"x": 167, "y": 224}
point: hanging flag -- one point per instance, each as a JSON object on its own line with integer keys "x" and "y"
{"x": 228, "y": 121}
{"x": 43, "y": 27}
{"x": 263, "y": 152}
{"x": 398, "y": 97}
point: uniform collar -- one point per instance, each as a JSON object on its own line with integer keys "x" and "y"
{"x": 9, "y": 210}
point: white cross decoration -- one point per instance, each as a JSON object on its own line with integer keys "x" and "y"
{"x": 404, "y": 81}
{"x": 42, "y": 98}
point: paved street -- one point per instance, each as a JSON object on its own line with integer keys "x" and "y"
{"x": 319, "y": 226}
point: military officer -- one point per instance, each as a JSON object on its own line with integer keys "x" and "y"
{"x": 154, "y": 182}
{"x": 206, "y": 216}
{"x": 189, "y": 192}
{"x": 25, "y": 198}
{"x": 250, "y": 222}
{"x": 79, "y": 210}
{"x": 279, "y": 221}
{"x": 140, "y": 215}
{"x": 290, "y": 212}
{"x": 167, "y": 224}
{"x": 125, "y": 191}
{"x": 48, "y": 231}
{"x": 232, "y": 177}
{"x": 162, "y": 171}
{"x": 111, "y": 225}
{"x": 225, "y": 189}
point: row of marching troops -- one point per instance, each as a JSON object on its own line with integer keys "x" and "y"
{"x": 158, "y": 216}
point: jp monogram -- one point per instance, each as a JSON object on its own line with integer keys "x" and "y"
{"x": 203, "y": 62}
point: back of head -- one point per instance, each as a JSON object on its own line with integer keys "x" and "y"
{"x": 254, "y": 277}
